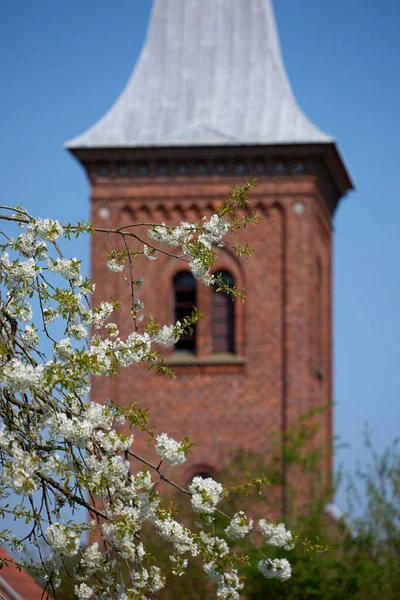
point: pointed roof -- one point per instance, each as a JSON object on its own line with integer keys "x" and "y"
{"x": 210, "y": 74}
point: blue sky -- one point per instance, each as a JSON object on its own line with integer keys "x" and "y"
{"x": 63, "y": 64}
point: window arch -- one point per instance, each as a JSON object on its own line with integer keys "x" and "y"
{"x": 185, "y": 301}
{"x": 223, "y": 317}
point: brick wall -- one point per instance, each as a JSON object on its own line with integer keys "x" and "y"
{"x": 283, "y": 363}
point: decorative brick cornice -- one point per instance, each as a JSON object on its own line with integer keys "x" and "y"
{"x": 123, "y": 168}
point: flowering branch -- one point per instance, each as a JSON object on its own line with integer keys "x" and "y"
{"x": 57, "y": 449}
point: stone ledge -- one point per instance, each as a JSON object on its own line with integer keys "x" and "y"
{"x": 188, "y": 359}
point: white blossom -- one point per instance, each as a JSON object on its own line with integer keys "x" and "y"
{"x": 21, "y": 376}
{"x": 181, "y": 538}
{"x": 28, "y": 245}
{"x": 229, "y": 586}
{"x": 212, "y": 570}
{"x": 169, "y": 450}
{"x": 172, "y": 236}
{"x": 107, "y": 473}
{"x": 98, "y": 316}
{"x": 215, "y": 545}
{"x": 277, "y": 568}
{"x": 206, "y": 494}
{"x": 214, "y": 230}
{"x": 67, "y": 267}
{"x": 169, "y": 334}
{"x": 179, "y": 565}
{"x": 19, "y": 474}
{"x": 30, "y": 335}
{"x": 276, "y": 535}
{"x": 115, "y": 266}
{"x": 112, "y": 329}
{"x": 77, "y": 331}
{"x": 134, "y": 350}
{"x": 239, "y": 526}
{"x": 83, "y": 591}
{"x": 50, "y": 315}
{"x": 149, "y": 252}
{"x": 200, "y": 271}
{"x": 91, "y": 558}
{"x": 156, "y": 579}
{"x": 24, "y": 270}
{"x": 47, "y": 229}
{"x": 63, "y": 349}
{"x": 21, "y": 311}
{"x": 63, "y": 539}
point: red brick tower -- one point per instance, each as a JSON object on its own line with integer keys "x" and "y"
{"x": 209, "y": 103}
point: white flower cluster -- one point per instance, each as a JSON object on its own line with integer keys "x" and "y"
{"x": 239, "y": 526}
{"x": 21, "y": 311}
{"x": 91, "y": 558}
{"x": 20, "y": 376}
{"x": 102, "y": 351}
{"x": 83, "y": 591}
{"x": 276, "y": 535}
{"x": 69, "y": 268}
{"x": 169, "y": 450}
{"x": 276, "y": 568}
{"x": 228, "y": 582}
{"x": 18, "y": 473}
{"x": 200, "y": 271}
{"x": 93, "y": 422}
{"x": 174, "y": 532}
{"x": 179, "y": 565}
{"x": 216, "y": 546}
{"x": 18, "y": 271}
{"x": 30, "y": 336}
{"x": 112, "y": 329}
{"x": 107, "y": 472}
{"x": 62, "y": 539}
{"x": 209, "y": 232}
{"x": 115, "y": 266}
{"x": 98, "y": 315}
{"x": 169, "y": 334}
{"x": 151, "y": 580}
{"x": 134, "y": 350}
{"x": 122, "y": 529}
{"x": 50, "y": 315}
{"x": 172, "y": 236}
{"x": 25, "y": 270}
{"x": 63, "y": 349}
{"x": 28, "y": 245}
{"x": 213, "y": 231}
{"x": 206, "y": 493}
{"x": 77, "y": 331}
{"x": 149, "y": 252}
{"x": 47, "y": 229}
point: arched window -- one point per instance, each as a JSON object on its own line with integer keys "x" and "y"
{"x": 185, "y": 301}
{"x": 223, "y": 322}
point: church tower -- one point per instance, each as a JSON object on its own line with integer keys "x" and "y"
{"x": 208, "y": 104}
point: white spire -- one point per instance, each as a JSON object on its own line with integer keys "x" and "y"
{"x": 210, "y": 74}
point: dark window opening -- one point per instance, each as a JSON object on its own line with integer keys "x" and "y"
{"x": 185, "y": 301}
{"x": 202, "y": 474}
{"x": 123, "y": 171}
{"x": 223, "y": 318}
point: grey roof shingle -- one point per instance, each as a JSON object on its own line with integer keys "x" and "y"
{"x": 210, "y": 74}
